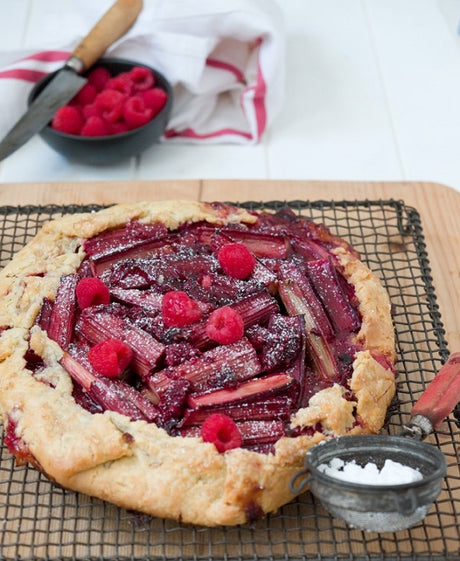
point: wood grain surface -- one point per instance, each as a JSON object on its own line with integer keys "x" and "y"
{"x": 438, "y": 205}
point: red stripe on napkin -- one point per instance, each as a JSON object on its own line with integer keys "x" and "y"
{"x": 226, "y": 66}
{"x": 49, "y": 56}
{"x": 190, "y": 133}
{"x": 260, "y": 90}
{"x": 23, "y": 74}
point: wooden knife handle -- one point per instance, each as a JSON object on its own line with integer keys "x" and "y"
{"x": 112, "y": 25}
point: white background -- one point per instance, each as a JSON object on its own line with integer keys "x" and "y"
{"x": 372, "y": 93}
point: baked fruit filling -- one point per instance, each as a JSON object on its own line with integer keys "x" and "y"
{"x": 222, "y": 332}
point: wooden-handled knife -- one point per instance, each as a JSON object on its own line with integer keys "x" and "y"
{"x": 68, "y": 81}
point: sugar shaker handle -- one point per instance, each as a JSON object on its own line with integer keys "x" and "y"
{"x": 438, "y": 400}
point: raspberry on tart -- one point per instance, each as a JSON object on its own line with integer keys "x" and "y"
{"x": 222, "y": 431}
{"x": 236, "y": 260}
{"x": 147, "y": 347}
{"x": 91, "y": 291}
{"x": 178, "y": 309}
{"x": 110, "y": 357}
{"x": 225, "y": 326}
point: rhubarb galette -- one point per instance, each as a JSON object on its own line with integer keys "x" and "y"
{"x": 179, "y": 358}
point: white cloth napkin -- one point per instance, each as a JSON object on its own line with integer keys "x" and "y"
{"x": 224, "y": 58}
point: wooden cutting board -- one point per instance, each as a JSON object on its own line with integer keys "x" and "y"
{"x": 438, "y": 205}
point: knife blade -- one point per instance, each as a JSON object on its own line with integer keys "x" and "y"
{"x": 61, "y": 89}
{"x": 68, "y": 81}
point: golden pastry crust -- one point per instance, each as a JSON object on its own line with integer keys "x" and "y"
{"x": 132, "y": 463}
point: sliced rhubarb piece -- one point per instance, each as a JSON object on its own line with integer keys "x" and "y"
{"x": 168, "y": 271}
{"x": 112, "y": 395}
{"x": 324, "y": 277}
{"x": 190, "y": 432}
{"x": 279, "y": 220}
{"x": 127, "y": 274}
{"x": 34, "y": 362}
{"x": 219, "y": 367}
{"x": 172, "y": 404}
{"x": 221, "y": 290}
{"x": 44, "y": 315}
{"x": 256, "y": 433}
{"x": 182, "y": 264}
{"x": 178, "y": 353}
{"x": 254, "y": 389}
{"x": 123, "y": 238}
{"x": 265, "y": 276}
{"x": 260, "y": 244}
{"x": 146, "y": 319}
{"x": 300, "y": 227}
{"x": 298, "y": 368}
{"x": 266, "y": 410}
{"x": 150, "y": 300}
{"x": 256, "y": 309}
{"x": 299, "y": 298}
{"x": 62, "y": 319}
{"x": 320, "y": 233}
{"x": 100, "y": 325}
{"x": 139, "y": 250}
{"x": 257, "y": 335}
{"x": 308, "y": 249}
{"x": 127, "y": 392}
{"x": 282, "y": 343}
{"x": 83, "y": 399}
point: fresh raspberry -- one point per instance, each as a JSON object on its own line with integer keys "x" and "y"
{"x": 91, "y": 291}
{"x": 110, "y": 102}
{"x": 95, "y": 126}
{"x": 222, "y": 431}
{"x": 121, "y": 83}
{"x": 136, "y": 113}
{"x": 225, "y": 325}
{"x": 98, "y": 77}
{"x": 119, "y": 127}
{"x": 155, "y": 99}
{"x": 85, "y": 95}
{"x": 90, "y": 110}
{"x": 67, "y": 119}
{"x": 236, "y": 260}
{"x": 142, "y": 78}
{"x": 178, "y": 309}
{"x": 110, "y": 357}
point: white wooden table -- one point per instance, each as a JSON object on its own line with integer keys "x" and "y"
{"x": 373, "y": 93}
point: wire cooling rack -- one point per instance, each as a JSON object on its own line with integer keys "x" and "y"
{"x": 39, "y": 520}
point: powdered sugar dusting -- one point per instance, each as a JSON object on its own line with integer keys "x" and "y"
{"x": 392, "y": 473}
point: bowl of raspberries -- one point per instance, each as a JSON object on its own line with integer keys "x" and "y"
{"x": 121, "y": 111}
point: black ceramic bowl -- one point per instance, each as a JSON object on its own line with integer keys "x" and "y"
{"x": 116, "y": 147}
